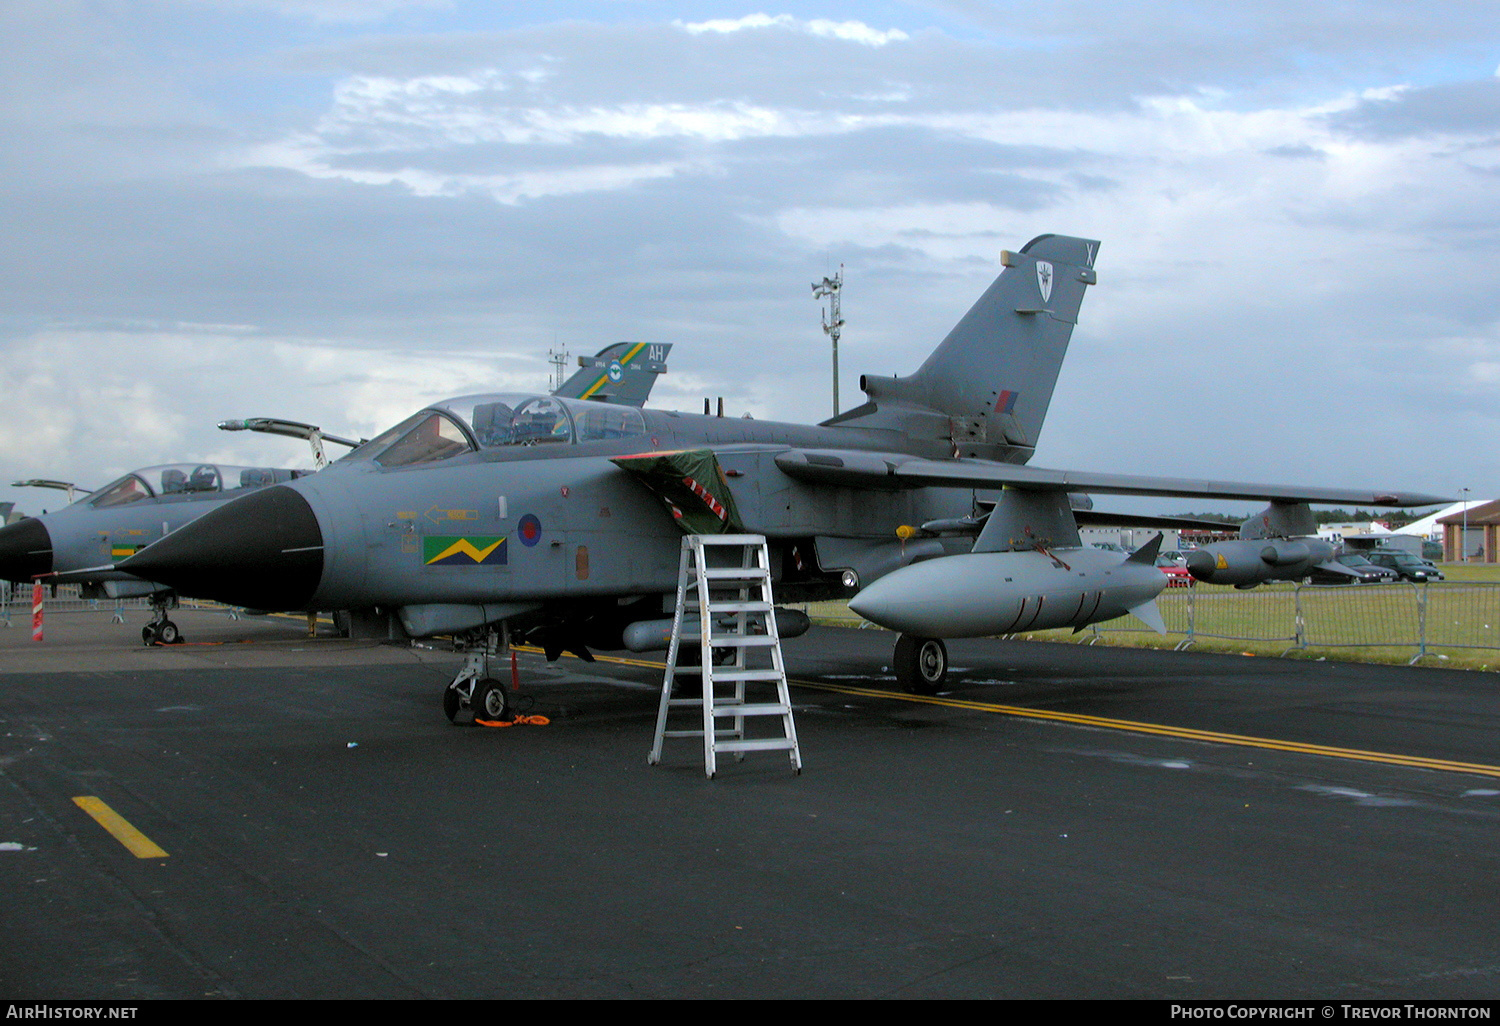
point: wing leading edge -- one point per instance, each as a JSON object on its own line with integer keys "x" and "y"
{"x": 895, "y": 471}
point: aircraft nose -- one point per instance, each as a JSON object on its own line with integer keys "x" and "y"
{"x": 25, "y": 550}
{"x": 261, "y": 551}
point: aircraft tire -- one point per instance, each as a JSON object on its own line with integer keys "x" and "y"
{"x": 921, "y": 664}
{"x": 168, "y": 634}
{"x": 148, "y": 635}
{"x": 490, "y": 702}
{"x": 451, "y": 703}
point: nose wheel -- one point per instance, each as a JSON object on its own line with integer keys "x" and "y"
{"x": 473, "y": 689}
{"x": 164, "y": 633}
{"x": 921, "y": 664}
{"x": 490, "y": 702}
{"x": 161, "y": 631}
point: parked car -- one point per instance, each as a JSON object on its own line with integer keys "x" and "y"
{"x": 1407, "y": 566}
{"x": 1177, "y": 574}
{"x": 1362, "y": 572}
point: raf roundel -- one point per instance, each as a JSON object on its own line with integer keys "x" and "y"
{"x": 529, "y": 530}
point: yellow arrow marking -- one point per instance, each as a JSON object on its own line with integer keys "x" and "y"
{"x": 435, "y": 514}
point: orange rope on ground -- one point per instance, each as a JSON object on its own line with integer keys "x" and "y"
{"x": 535, "y": 721}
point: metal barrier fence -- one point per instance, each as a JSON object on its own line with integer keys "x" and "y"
{"x": 15, "y": 600}
{"x": 1415, "y": 616}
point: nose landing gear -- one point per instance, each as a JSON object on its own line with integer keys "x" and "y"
{"x": 473, "y": 688}
{"x": 161, "y": 631}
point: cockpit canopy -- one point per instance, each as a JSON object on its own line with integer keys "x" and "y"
{"x": 184, "y": 479}
{"x": 479, "y": 422}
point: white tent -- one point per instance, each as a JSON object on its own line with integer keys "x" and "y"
{"x": 1429, "y": 528}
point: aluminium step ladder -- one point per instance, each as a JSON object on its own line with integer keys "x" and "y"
{"x": 724, "y": 606}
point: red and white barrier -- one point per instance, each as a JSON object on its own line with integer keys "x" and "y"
{"x": 36, "y": 611}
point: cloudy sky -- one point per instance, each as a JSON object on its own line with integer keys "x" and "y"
{"x": 339, "y": 210}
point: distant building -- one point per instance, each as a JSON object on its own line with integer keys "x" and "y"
{"x": 1130, "y": 538}
{"x": 1365, "y": 535}
{"x": 1429, "y": 528}
{"x": 1478, "y": 545}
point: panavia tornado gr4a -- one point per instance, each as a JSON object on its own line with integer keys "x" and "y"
{"x": 560, "y": 521}
{"x": 80, "y": 542}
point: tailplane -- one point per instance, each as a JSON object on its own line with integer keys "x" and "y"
{"x": 987, "y": 385}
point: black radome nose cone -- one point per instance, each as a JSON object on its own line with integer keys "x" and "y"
{"x": 262, "y": 551}
{"x": 1200, "y": 564}
{"x": 25, "y": 550}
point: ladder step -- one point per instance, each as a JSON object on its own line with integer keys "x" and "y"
{"x": 727, "y": 735}
{"x": 714, "y": 638}
{"x": 767, "y": 744}
{"x": 749, "y": 709}
{"x": 734, "y": 573}
{"x": 768, "y": 675}
{"x": 742, "y": 641}
{"x": 732, "y": 606}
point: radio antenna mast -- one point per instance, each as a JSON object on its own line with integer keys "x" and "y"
{"x": 833, "y": 322}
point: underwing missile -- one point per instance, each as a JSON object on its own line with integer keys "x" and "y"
{"x": 656, "y": 635}
{"x": 986, "y": 593}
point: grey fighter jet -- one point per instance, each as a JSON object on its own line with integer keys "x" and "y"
{"x": 83, "y": 540}
{"x": 559, "y": 521}
{"x": 109, "y": 525}
{"x": 1278, "y": 544}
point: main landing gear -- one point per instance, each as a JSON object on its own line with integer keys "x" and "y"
{"x": 474, "y": 689}
{"x": 921, "y": 664}
{"x": 161, "y": 631}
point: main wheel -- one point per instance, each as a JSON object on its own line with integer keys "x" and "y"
{"x": 148, "y": 635}
{"x": 169, "y": 634}
{"x": 921, "y": 664}
{"x": 490, "y": 702}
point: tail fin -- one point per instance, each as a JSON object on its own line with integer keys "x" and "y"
{"x": 621, "y": 374}
{"x": 989, "y": 383}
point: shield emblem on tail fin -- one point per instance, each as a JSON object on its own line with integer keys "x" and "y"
{"x": 1044, "y": 279}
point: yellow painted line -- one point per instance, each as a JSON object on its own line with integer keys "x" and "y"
{"x": 1182, "y": 733}
{"x": 141, "y": 846}
{"x": 1131, "y": 726}
{"x": 534, "y": 650}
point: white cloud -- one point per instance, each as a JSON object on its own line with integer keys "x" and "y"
{"x": 329, "y": 12}
{"x": 159, "y": 394}
{"x": 846, "y": 31}
{"x": 1268, "y": 208}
